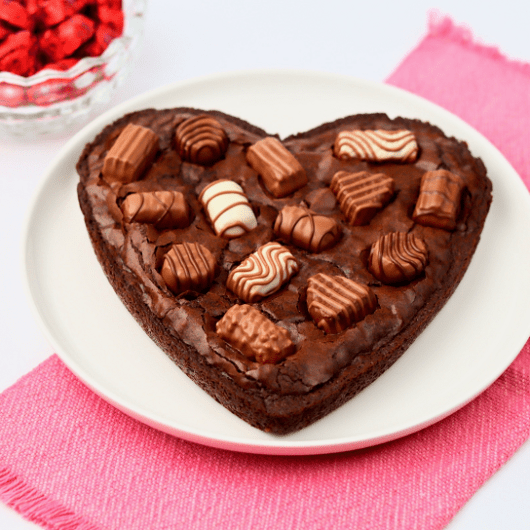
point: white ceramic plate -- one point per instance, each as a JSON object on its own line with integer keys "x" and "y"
{"x": 467, "y": 346}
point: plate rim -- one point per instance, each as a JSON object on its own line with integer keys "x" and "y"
{"x": 276, "y": 445}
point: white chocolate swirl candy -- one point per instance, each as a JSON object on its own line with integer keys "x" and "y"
{"x": 376, "y": 146}
{"x": 262, "y": 273}
{"x": 228, "y": 209}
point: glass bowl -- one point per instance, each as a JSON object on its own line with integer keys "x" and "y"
{"x": 52, "y": 101}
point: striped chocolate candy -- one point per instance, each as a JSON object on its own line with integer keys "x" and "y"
{"x": 262, "y": 273}
{"x": 131, "y": 153}
{"x": 306, "y": 229}
{"x": 438, "y": 203}
{"x": 361, "y": 195}
{"x": 397, "y": 257}
{"x": 336, "y": 302}
{"x": 188, "y": 267}
{"x": 376, "y": 146}
{"x": 163, "y": 209}
{"x": 281, "y": 172}
{"x": 201, "y": 140}
{"x": 228, "y": 209}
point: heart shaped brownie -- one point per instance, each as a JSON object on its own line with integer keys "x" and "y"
{"x": 282, "y": 276}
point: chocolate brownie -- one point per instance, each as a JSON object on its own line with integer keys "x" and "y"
{"x": 282, "y": 276}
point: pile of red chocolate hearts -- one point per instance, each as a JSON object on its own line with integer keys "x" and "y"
{"x": 37, "y": 34}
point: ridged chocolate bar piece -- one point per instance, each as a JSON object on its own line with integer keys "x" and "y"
{"x": 262, "y": 273}
{"x": 188, "y": 267}
{"x": 228, "y": 209}
{"x": 163, "y": 209}
{"x": 361, "y": 195}
{"x": 439, "y": 200}
{"x": 282, "y": 174}
{"x": 397, "y": 257}
{"x": 201, "y": 140}
{"x": 254, "y": 335}
{"x": 336, "y": 302}
{"x": 133, "y": 150}
{"x": 376, "y": 146}
{"x": 306, "y": 229}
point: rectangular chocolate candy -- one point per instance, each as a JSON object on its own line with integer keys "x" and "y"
{"x": 254, "y": 335}
{"x": 133, "y": 150}
{"x": 282, "y": 174}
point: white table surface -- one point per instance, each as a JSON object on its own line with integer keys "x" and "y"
{"x": 189, "y": 39}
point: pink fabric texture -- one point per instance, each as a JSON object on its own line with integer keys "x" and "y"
{"x": 69, "y": 460}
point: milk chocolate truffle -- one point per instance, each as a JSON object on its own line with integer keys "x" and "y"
{"x": 201, "y": 140}
{"x": 188, "y": 267}
{"x": 133, "y": 150}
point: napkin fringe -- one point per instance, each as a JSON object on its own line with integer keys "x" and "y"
{"x": 442, "y": 26}
{"x": 36, "y": 507}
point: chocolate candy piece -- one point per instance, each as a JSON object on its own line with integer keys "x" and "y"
{"x": 361, "y": 195}
{"x": 228, "y": 209}
{"x": 63, "y": 40}
{"x": 4, "y": 31}
{"x": 54, "y": 11}
{"x": 132, "y": 151}
{"x": 439, "y": 200}
{"x": 282, "y": 174}
{"x": 15, "y": 53}
{"x": 376, "y": 146}
{"x": 104, "y": 35}
{"x": 336, "y": 302}
{"x": 262, "y": 273}
{"x": 306, "y": 229}
{"x": 188, "y": 267}
{"x": 111, "y": 17}
{"x": 163, "y": 209}
{"x": 15, "y": 14}
{"x": 201, "y": 140}
{"x": 397, "y": 257}
{"x": 254, "y": 335}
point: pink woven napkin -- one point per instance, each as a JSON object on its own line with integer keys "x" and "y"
{"x": 68, "y": 460}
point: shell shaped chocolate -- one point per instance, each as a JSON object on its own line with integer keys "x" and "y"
{"x": 398, "y": 257}
{"x": 305, "y": 229}
{"x": 188, "y": 267}
{"x": 376, "y": 145}
{"x": 361, "y": 195}
{"x": 336, "y": 302}
{"x": 262, "y": 273}
{"x": 201, "y": 140}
